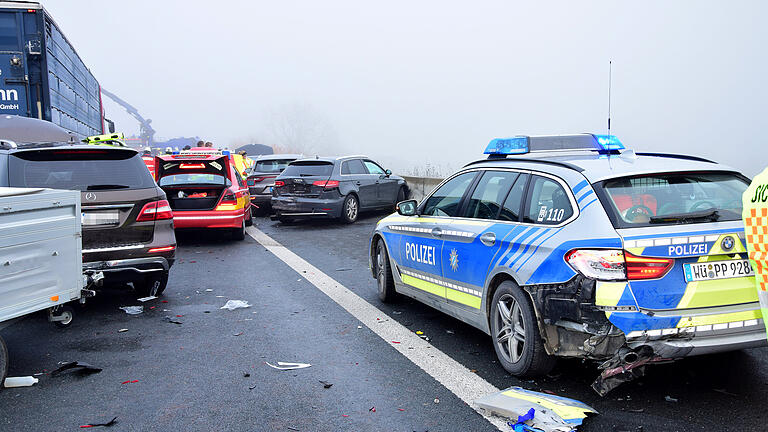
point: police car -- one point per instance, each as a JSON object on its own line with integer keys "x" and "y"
{"x": 574, "y": 246}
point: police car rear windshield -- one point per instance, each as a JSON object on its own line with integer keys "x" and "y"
{"x": 673, "y": 199}
{"x": 309, "y": 169}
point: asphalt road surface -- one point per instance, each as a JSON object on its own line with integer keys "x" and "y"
{"x": 209, "y": 372}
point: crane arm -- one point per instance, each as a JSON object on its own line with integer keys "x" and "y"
{"x": 146, "y": 127}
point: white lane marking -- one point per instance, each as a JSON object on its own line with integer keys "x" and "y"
{"x": 467, "y": 385}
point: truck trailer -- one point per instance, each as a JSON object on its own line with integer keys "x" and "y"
{"x": 41, "y": 74}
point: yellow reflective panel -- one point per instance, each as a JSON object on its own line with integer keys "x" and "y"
{"x": 609, "y": 294}
{"x": 424, "y": 285}
{"x": 719, "y": 318}
{"x": 463, "y": 298}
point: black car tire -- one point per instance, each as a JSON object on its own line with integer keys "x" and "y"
{"x": 249, "y": 221}
{"x": 400, "y": 197}
{"x": 520, "y": 323}
{"x": 384, "y": 280}
{"x": 68, "y": 313}
{"x": 350, "y": 209}
{"x": 153, "y": 285}
{"x": 239, "y": 233}
{"x": 3, "y": 362}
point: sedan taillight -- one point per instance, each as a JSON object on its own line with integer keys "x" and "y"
{"x": 156, "y": 210}
{"x": 327, "y": 184}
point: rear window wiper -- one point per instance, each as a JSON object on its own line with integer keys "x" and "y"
{"x": 712, "y": 215}
{"x": 107, "y": 186}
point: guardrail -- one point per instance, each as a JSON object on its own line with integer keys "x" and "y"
{"x": 420, "y": 186}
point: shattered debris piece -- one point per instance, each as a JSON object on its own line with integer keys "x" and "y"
{"x": 670, "y": 399}
{"x": 83, "y": 368}
{"x": 395, "y": 342}
{"x": 107, "y": 424}
{"x": 638, "y": 410}
{"x": 123, "y": 330}
{"x": 419, "y": 332}
{"x": 449, "y": 331}
{"x": 552, "y": 413}
{"x": 163, "y": 301}
{"x": 246, "y": 375}
{"x": 396, "y": 312}
{"x": 145, "y": 299}
{"x": 129, "y": 382}
{"x": 288, "y": 366}
{"x": 326, "y": 384}
{"x": 359, "y": 327}
{"x": 132, "y": 310}
{"x": 372, "y": 409}
{"x": 173, "y": 321}
{"x": 343, "y": 269}
{"x": 238, "y": 334}
{"x": 437, "y": 401}
{"x": 401, "y": 409}
{"x": 208, "y": 290}
{"x": 235, "y": 304}
{"x": 24, "y": 381}
{"x": 220, "y": 296}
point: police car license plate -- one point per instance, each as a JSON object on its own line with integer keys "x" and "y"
{"x": 100, "y": 218}
{"x": 717, "y": 270}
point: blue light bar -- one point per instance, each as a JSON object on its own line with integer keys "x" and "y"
{"x": 608, "y": 142}
{"x": 505, "y": 146}
{"x": 226, "y": 152}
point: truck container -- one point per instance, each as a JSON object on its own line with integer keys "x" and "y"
{"x": 41, "y": 74}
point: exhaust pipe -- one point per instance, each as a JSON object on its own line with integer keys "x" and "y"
{"x": 628, "y": 356}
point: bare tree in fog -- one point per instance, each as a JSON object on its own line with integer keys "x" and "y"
{"x": 298, "y": 128}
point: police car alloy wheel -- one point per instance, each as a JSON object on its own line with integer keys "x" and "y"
{"x": 350, "y": 209}
{"x": 516, "y": 337}
{"x": 386, "y": 285}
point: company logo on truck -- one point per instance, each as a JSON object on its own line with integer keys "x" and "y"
{"x": 9, "y": 95}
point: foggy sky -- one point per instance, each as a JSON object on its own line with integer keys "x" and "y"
{"x": 407, "y": 82}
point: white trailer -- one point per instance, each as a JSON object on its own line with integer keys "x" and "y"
{"x": 41, "y": 264}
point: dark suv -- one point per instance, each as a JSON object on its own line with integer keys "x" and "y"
{"x": 261, "y": 178}
{"x": 338, "y": 187}
{"x": 127, "y": 222}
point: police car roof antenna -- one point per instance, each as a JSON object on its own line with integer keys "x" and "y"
{"x": 609, "y": 96}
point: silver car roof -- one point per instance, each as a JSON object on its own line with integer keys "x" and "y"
{"x": 597, "y": 167}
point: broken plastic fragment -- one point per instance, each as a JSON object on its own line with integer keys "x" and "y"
{"x": 172, "y": 321}
{"x": 288, "y": 366}
{"x": 107, "y": 424}
{"x": 419, "y": 332}
{"x": 235, "y": 304}
{"x": 552, "y": 413}
{"x": 132, "y": 310}
{"x": 122, "y": 330}
{"x": 83, "y": 368}
{"x": 129, "y": 382}
{"x": 670, "y": 399}
{"x": 143, "y": 299}
{"x": 326, "y": 384}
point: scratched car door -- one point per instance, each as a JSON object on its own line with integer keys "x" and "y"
{"x": 422, "y": 241}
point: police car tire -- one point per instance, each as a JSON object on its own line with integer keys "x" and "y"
{"x": 385, "y": 284}
{"x": 344, "y": 216}
{"x": 534, "y": 360}
{"x": 3, "y": 362}
{"x": 144, "y": 288}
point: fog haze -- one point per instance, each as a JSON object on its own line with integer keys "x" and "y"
{"x": 414, "y": 82}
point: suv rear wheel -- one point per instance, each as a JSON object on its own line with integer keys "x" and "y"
{"x": 152, "y": 285}
{"x": 515, "y": 333}
{"x": 350, "y": 209}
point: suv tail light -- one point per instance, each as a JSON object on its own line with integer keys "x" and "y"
{"x": 641, "y": 268}
{"x": 612, "y": 264}
{"x": 326, "y": 184}
{"x": 156, "y": 210}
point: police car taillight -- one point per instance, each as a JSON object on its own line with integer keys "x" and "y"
{"x": 641, "y": 268}
{"x": 601, "y": 264}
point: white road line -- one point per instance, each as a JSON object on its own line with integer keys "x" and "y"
{"x": 447, "y": 371}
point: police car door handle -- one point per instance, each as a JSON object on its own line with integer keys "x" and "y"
{"x": 437, "y": 232}
{"x": 488, "y": 239}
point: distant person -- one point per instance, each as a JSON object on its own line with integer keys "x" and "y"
{"x": 147, "y": 151}
{"x": 187, "y": 147}
{"x": 209, "y": 144}
{"x": 200, "y": 144}
{"x": 168, "y": 150}
{"x": 755, "y": 217}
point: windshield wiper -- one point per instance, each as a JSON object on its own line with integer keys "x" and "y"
{"x": 711, "y": 215}
{"x": 106, "y": 186}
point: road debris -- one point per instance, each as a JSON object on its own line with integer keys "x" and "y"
{"x": 372, "y": 409}
{"x": 208, "y": 290}
{"x": 235, "y": 304}
{"x": 145, "y": 299}
{"x": 172, "y": 321}
{"x": 122, "y": 330}
{"x": 670, "y": 399}
{"x": 107, "y": 424}
{"x": 326, "y": 384}
{"x": 23, "y": 381}
{"x": 437, "y": 401}
{"x": 419, "y": 332}
{"x": 288, "y": 366}
{"x": 246, "y": 375}
{"x": 129, "y": 382}
{"x": 343, "y": 269}
{"x": 83, "y": 368}
{"x": 132, "y": 310}
{"x": 552, "y": 413}
{"x": 237, "y": 334}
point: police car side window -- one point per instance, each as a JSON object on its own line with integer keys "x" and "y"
{"x": 445, "y": 201}
{"x": 548, "y": 202}
{"x": 489, "y": 194}
{"x": 510, "y": 212}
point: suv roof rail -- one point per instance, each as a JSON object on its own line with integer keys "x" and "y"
{"x": 676, "y": 156}
{"x": 8, "y": 145}
{"x": 530, "y": 160}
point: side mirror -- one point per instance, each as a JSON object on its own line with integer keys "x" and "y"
{"x": 407, "y": 208}
{"x": 388, "y": 172}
